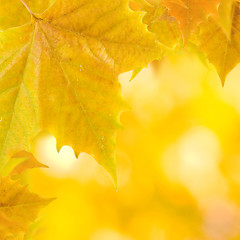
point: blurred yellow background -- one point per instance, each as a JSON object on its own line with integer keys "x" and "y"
{"x": 178, "y": 161}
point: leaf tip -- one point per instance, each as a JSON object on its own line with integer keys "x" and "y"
{"x": 222, "y": 77}
{"x": 112, "y": 172}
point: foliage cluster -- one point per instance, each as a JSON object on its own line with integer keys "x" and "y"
{"x": 59, "y": 67}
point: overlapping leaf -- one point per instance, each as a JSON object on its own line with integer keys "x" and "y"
{"x": 18, "y": 208}
{"x": 24, "y": 161}
{"x": 59, "y": 73}
{"x": 222, "y": 50}
{"x": 159, "y": 22}
{"x": 190, "y": 13}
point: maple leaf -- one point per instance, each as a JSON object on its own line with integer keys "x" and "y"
{"x": 190, "y": 13}
{"x": 18, "y": 208}
{"x": 222, "y": 50}
{"x": 12, "y": 8}
{"x": 159, "y": 22}
{"x": 22, "y": 161}
{"x": 59, "y": 73}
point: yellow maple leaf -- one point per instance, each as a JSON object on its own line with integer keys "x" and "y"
{"x": 59, "y": 73}
{"x": 24, "y": 161}
{"x": 159, "y": 22}
{"x": 222, "y": 50}
{"x": 13, "y": 13}
{"x": 18, "y": 208}
{"x": 190, "y": 13}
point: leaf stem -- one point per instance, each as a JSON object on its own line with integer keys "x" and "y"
{"x": 27, "y": 7}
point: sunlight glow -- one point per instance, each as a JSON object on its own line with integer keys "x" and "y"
{"x": 200, "y": 152}
{"x": 60, "y": 164}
